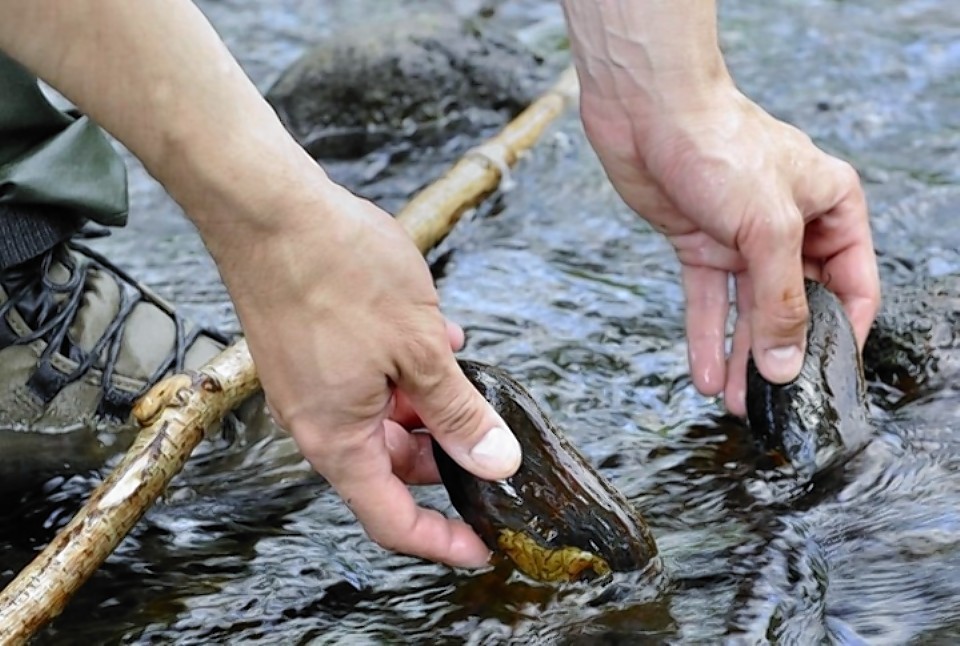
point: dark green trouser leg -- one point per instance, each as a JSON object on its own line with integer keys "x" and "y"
{"x": 56, "y": 170}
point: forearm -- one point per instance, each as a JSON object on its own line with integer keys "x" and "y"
{"x": 155, "y": 74}
{"x": 646, "y": 53}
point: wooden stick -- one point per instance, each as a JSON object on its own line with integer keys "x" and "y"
{"x": 177, "y": 411}
{"x": 430, "y": 215}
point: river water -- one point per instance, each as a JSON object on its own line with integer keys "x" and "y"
{"x": 558, "y": 283}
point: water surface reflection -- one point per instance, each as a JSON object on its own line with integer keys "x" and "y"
{"x": 556, "y": 282}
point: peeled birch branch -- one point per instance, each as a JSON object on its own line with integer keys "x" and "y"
{"x": 431, "y": 214}
{"x": 177, "y": 411}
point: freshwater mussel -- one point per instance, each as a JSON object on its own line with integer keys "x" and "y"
{"x": 819, "y": 419}
{"x": 559, "y": 520}
{"x": 556, "y": 518}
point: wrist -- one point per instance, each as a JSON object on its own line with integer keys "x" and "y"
{"x": 647, "y": 55}
{"x": 246, "y": 184}
{"x": 274, "y": 257}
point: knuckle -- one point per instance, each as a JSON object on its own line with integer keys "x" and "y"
{"x": 849, "y": 188}
{"x": 846, "y": 173}
{"x": 457, "y": 415}
{"x": 396, "y": 538}
{"x": 390, "y": 541}
{"x": 423, "y": 359}
{"x": 764, "y": 232}
{"x": 787, "y": 315}
{"x": 802, "y": 138}
{"x": 785, "y": 229}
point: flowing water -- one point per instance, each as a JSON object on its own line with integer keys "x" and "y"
{"x": 559, "y": 284}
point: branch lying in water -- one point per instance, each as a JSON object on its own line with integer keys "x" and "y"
{"x": 176, "y": 412}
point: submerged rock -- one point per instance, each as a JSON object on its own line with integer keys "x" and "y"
{"x": 419, "y": 78}
{"x": 914, "y": 346}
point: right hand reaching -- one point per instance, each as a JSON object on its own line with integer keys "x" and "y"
{"x": 341, "y": 316}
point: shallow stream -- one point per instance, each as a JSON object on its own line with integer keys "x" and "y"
{"x": 558, "y": 283}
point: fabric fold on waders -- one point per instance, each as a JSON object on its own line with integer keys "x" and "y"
{"x": 57, "y": 170}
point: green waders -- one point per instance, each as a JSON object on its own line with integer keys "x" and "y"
{"x": 57, "y": 170}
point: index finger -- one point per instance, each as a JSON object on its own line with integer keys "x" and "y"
{"x": 853, "y": 276}
{"x": 841, "y": 240}
{"x": 402, "y": 411}
{"x": 391, "y": 517}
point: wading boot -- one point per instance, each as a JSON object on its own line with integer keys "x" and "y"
{"x": 80, "y": 341}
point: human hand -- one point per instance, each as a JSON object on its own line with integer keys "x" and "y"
{"x": 739, "y": 193}
{"x": 342, "y": 319}
{"x": 337, "y": 305}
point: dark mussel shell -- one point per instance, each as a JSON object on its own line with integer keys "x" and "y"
{"x": 819, "y": 418}
{"x": 556, "y": 518}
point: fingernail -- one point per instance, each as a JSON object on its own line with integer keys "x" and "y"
{"x": 498, "y": 451}
{"x": 784, "y": 362}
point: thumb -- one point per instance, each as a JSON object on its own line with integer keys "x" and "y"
{"x": 459, "y": 418}
{"x": 778, "y": 316}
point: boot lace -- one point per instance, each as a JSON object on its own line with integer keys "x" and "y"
{"x": 54, "y": 317}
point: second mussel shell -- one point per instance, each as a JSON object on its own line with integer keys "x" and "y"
{"x": 557, "y": 519}
{"x": 821, "y": 418}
